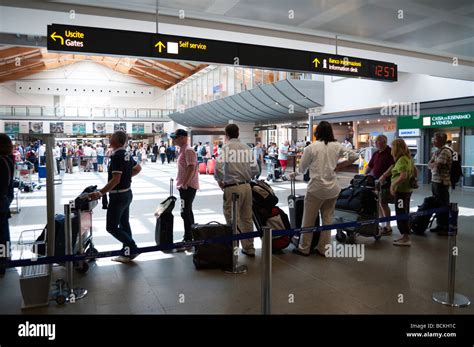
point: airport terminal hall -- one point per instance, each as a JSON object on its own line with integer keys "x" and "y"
{"x": 203, "y": 164}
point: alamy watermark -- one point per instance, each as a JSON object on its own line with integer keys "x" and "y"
{"x": 400, "y": 109}
{"x": 338, "y": 250}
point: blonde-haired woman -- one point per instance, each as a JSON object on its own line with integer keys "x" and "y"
{"x": 402, "y": 172}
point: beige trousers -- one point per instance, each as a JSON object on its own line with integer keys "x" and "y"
{"x": 244, "y": 210}
{"x": 313, "y": 205}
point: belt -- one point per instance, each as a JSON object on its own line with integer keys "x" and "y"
{"x": 236, "y": 184}
{"x": 115, "y": 191}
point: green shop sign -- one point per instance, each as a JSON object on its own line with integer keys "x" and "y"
{"x": 442, "y": 120}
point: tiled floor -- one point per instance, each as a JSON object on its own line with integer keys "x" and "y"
{"x": 389, "y": 280}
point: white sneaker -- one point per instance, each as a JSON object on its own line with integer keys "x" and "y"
{"x": 122, "y": 259}
{"x": 402, "y": 243}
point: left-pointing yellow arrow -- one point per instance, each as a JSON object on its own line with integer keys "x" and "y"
{"x": 160, "y": 45}
{"x": 316, "y": 62}
{"x": 54, "y": 37}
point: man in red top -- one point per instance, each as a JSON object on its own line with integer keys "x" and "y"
{"x": 380, "y": 167}
{"x": 187, "y": 180}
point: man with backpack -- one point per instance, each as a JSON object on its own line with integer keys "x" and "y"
{"x": 440, "y": 166}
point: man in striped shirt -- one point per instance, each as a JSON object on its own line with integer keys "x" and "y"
{"x": 440, "y": 166}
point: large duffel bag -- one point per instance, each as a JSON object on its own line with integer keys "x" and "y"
{"x": 419, "y": 224}
{"x": 212, "y": 255}
{"x": 361, "y": 200}
{"x": 263, "y": 195}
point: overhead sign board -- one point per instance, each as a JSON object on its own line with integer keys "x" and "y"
{"x": 408, "y": 132}
{"x": 78, "y": 39}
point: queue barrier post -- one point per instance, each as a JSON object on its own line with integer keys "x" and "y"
{"x": 266, "y": 271}
{"x": 451, "y": 298}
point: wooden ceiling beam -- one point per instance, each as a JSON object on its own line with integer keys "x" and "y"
{"x": 154, "y": 71}
{"x": 14, "y": 52}
{"x": 21, "y": 74}
{"x": 174, "y": 66}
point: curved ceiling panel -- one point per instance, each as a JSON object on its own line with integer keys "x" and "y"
{"x": 269, "y": 102}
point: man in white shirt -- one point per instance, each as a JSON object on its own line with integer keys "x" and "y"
{"x": 235, "y": 167}
{"x": 57, "y": 157}
{"x": 42, "y": 154}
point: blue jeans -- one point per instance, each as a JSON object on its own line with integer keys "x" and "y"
{"x": 118, "y": 215}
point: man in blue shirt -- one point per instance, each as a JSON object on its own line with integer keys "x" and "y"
{"x": 122, "y": 167}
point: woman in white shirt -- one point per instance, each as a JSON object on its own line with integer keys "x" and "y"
{"x": 322, "y": 159}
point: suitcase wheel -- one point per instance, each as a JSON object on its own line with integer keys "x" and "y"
{"x": 82, "y": 267}
{"x": 341, "y": 236}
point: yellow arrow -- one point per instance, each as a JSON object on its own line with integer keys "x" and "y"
{"x": 160, "y": 45}
{"x": 54, "y": 37}
{"x": 316, "y": 62}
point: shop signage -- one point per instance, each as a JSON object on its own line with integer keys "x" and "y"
{"x": 443, "y": 120}
{"x": 408, "y": 132}
{"x": 265, "y": 127}
{"x": 79, "y": 39}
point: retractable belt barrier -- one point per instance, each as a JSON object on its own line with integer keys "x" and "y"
{"x": 221, "y": 239}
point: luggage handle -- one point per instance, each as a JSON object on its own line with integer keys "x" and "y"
{"x": 171, "y": 186}
{"x": 213, "y": 222}
{"x": 293, "y": 186}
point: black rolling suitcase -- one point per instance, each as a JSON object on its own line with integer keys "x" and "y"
{"x": 212, "y": 255}
{"x": 153, "y": 158}
{"x": 165, "y": 219}
{"x": 296, "y": 208}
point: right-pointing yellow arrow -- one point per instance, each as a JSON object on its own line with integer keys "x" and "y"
{"x": 160, "y": 45}
{"x": 54, "y": 37}
{"x": 316, "y": 62}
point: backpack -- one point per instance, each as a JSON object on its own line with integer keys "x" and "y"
{"x": 420, "y": 223}
{"x": 456, "y": 168}
{"x": 203, "y": 151}
{"x": 263, "y": 195}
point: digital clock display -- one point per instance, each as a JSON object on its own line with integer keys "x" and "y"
{"x": 383, "y": 71}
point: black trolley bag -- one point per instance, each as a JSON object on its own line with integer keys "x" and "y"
{"x": 358, "y": 202}
{"x": 419, "y": 224}
{"x": 216, "y": 255}
{"x": 296, "y": 209}
{"x": 165, "y": 219}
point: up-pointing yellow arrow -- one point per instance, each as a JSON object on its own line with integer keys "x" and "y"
{"x": 54, "y": 37}
{"x": 160, "y": 45}
{"x": 316, "y": 62}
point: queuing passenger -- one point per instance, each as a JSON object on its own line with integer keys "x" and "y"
{"x": 94, "y": 158}
{"x": 440, "y": 166}
{"x": 87, "y": 157}
{"x": 121, "y": 170}
{"x": 321, "y": 158}
{"x": 162, "y": 153}
{"x": 70, "y": 155}
{"x": 143, "y": 154}
{"x": 380, "y": 166}
{"x": 155, "y": 151}
{"x": 168, "y": 154}
{"x": 258, "y": 154}
{"x": 42, "y": 154}
{"x": 57, "y": 157}
{"x": 100, "y": 157}
{"x": 347, "y": 144}
{"x": 207, "y": 154}
{"x": 283, "y": 156}
{"x": 235, "y": 167}
{"x": 6, "y": 193}
{"x": 187, "y": 180}
{"x": 402, "y": 172}
{"x": 272, "y": 150}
